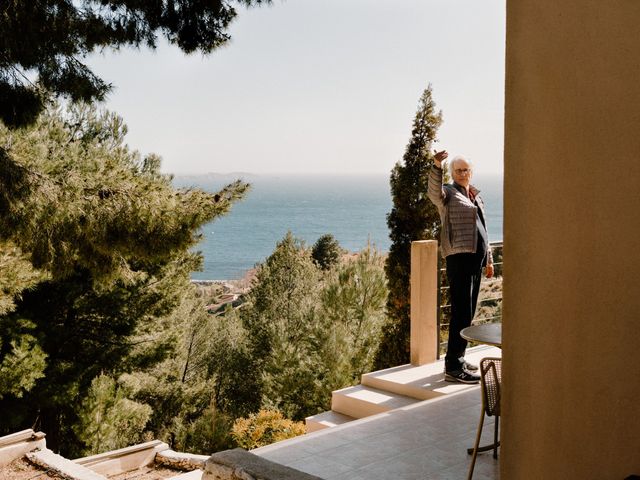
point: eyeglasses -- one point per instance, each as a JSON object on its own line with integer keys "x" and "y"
{"x": 463, "y": 171}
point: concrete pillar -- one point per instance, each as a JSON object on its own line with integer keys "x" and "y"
{"x": 424, "y": 301}
{"x": 571, "y": 306}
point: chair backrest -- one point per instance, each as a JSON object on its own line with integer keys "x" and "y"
{"x": 491, "y": 380}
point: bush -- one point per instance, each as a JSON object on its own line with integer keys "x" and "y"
{"x": 264, "y": 428}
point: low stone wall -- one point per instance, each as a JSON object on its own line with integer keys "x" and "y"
{"x": 18, "y": 444}
{"x": 238, "y": 464}
{"x": 181, "y": 461}
{"x": 62, "y": 467}
{"x": 123, "y": 460}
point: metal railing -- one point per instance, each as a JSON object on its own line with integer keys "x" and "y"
{"x": 489, "y": 307}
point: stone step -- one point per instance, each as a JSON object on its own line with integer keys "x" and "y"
{"x": 424, "y": 382}
{"x": 326, "y": 420}
{"x": 59, "y": 465}
{"x": 362, "y": 401}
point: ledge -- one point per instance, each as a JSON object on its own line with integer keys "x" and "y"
{"x": 52, "y": 462}
{"x": 238, "y": 464}
{"x": 123, "y": 460}
{"x": 181, "y": 461}
{"x": 18, "y": 444}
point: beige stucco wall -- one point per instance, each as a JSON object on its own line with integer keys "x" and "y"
{"x": 572, "y": 240}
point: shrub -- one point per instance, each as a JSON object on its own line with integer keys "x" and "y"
{"x": 264, "y": 428}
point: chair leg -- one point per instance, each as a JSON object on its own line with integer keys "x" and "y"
{"x": 495, "y": 437}
{"x": 475, "y": 447}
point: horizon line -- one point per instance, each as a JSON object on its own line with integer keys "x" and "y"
{"x": 298, "y": 173}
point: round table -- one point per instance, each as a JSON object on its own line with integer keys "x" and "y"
{"x": 488, "y": 333}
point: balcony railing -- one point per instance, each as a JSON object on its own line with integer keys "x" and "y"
{"x": 489, "y": 307}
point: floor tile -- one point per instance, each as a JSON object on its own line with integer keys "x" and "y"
{"x": 428, "y": 441}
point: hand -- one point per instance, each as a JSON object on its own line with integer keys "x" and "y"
{"x": 439, "y": 157}
{"x": 489, "y": 271}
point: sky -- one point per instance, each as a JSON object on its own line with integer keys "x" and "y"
{"x": 318, "y": 86}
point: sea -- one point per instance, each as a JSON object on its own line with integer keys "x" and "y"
{"x": 353, "y": 208}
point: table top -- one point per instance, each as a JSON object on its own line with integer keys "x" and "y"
{"x": 489, "y": 333}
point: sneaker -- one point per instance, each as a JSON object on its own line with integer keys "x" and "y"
{"x": 469, "y": 367}
{"x": 461, "y": 376}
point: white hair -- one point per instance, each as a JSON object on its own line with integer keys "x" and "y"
{"x": 457, "y": 158}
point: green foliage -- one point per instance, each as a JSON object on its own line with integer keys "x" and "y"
{"x": 22, "y": 365}
{"x": 311, "y": 331}
{"x": 184, "y": 414}
{"x": 264, "y": 428}
{"x": 74, "y": 196}
{"x": 326, "y": 252}
{"x": 209, "y": 433}
{"x": 283, "y": 293}
{"x": 175, "y": 405}
{"x": 109, "y": 244}
{"x": 49, "y": 37}
{"x": 280, "y": 320}
{"x": 216, "y": 349}
{"x": 413, "y": 217}
{"x": 203, "y": 386}
{"x": 108, "y": 420}
{"x": 22, "y": 360}
{"x": 230, "y": 359}
{"x": 16, "y": 275}
{"x": 353, "y": 313}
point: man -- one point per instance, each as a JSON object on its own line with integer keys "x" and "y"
{"x": 465, "y": 245}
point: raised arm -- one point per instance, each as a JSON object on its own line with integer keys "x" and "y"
{"x": 435, "y": 192}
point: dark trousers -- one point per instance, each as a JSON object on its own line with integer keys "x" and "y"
{"x": 464, "y": 271}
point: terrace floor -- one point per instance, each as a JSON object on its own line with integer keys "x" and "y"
{"x": 427, "y": 440}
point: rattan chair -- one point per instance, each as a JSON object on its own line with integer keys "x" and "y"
{"x": 490, "y": 381}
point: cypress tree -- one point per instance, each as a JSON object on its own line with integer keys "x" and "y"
{"x": 413, "y": 217}
{"x": 326, "y": 252}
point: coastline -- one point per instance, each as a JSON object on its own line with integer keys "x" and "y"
{"x": 352, "y": 208}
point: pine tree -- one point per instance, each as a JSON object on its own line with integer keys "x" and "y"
{"x": 280, "y": 317}
{"x": 51, "y": 37}
{"x": 108, "y": 419}
{"x": 413, "y": 217}
{"x": 313, "y": 331}
{"x": 353, "y": 311}
{"x": 103, "y": 241}
{"x": 195, "y": 394}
